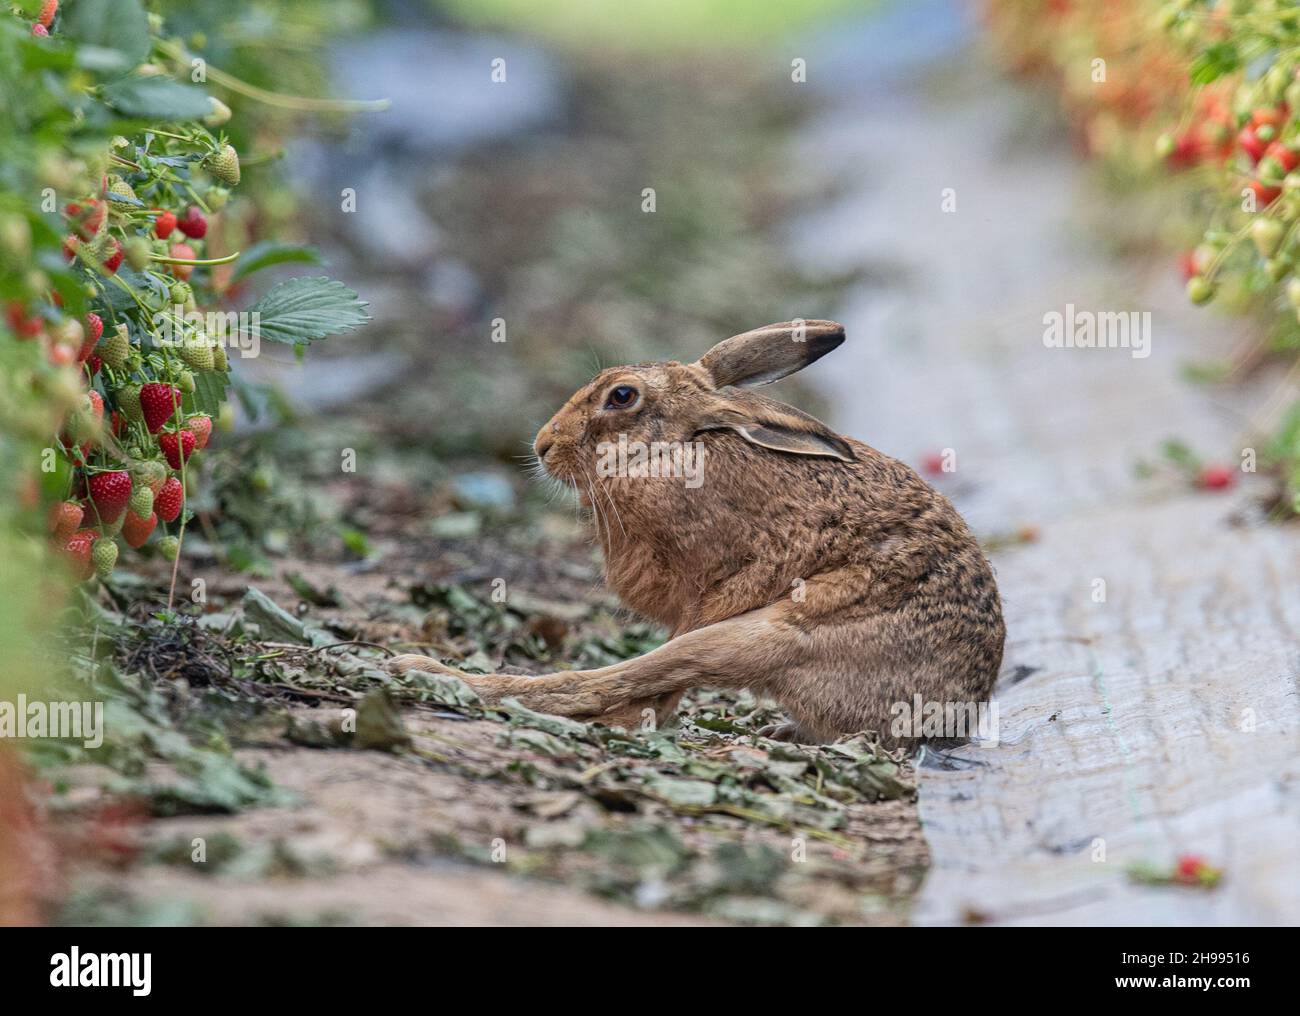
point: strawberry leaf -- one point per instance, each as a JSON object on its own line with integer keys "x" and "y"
{"x": 157, "y": 99}
{"x": 268, "y": 253}
{"x": 301, "y": 310}
{"x": 113, "y": 34}
{"x": 209, "y": 392}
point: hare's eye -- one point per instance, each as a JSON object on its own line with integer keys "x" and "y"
{"x": 620, "y": 397}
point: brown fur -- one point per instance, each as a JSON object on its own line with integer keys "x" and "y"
{"x": 807, "y": 566}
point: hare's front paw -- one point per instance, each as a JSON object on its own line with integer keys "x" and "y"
{"x": 413, "y": 661}
{"x": 787, "y": 731}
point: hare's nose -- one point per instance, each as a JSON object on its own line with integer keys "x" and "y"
{"x": 543, "y": 445}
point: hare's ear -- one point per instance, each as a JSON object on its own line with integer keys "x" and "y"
{"x": 780, "y": 428}
{"x": 769, "y": 353}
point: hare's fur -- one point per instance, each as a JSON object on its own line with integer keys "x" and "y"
{"x": 805, "y": 566}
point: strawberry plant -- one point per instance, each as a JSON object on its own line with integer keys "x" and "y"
{"x": 119, "y": 276}
{"x": 1204, "y": 95}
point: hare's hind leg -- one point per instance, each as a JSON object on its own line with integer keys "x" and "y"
{"x": 740, "y": 652}
{"x": 654, "y": 710}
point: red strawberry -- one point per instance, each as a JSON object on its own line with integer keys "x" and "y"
{"x": 114, "y": 261}
{"x": 168, "y": 501}
{"x": 158, "y": 402}
{"x": 88, "y": 219}
{"x": 24, "y": 327}
{"x": 48, "y": 10}
{"x": 94, "y": 329}
{"x": 202, "y": 428}
{"x": 1285, "y": 157}
{"x": 78, "y": 550}
{"x": 96, "y": 404}
{"x": 136, "y": 530}
{"x": 1189, "y": 866}
{"x": 194, "y": 225}
{"x": 1267, "y": 115}
{"x": 39, "y": 29}
{"x": 64, "y": 518}
{"x": 109, "y": 493}
{"x": 1215, "y": 477}
{"x": 93, "y": 364}
{"x": 1265, "y": 194}
{"x": 70, "y": 245}
{"x": 182, "y": 250}
{"x": 1251, "y": 144}
{"x": 933, "y": 463}
{"x": 164, "y": 224}
{"x": 177, "y": 446}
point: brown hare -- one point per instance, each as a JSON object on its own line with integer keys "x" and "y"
{"x": 782, "y": 557}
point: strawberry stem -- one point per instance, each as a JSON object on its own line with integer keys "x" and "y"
{"x": 195, "y": 261}
{"x": 278, "y": 99}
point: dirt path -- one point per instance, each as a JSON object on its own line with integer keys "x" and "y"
{"x": 1165, "y": 719}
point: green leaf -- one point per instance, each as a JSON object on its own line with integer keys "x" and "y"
{"x": 268, "y": 253}
{"x": 1220, "y": 59}
{"x": 157, "y": 99}
{"x": 209, "y": 391}
{"x": 300, "y": 310}
{"x": 113, "y": 34}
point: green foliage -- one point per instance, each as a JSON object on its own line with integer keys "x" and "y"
{"x": 301, "y": 310}
{"x": 108, "y": 134}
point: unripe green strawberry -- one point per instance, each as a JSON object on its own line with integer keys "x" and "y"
{"x": 137, "y": 253}
{"x": 197, "y": 354}
{"x": 128, "y": 400}
{"x": 186, "y": 381}
{"x": 141, "y": 502}
{"x": 118, "y": 186}
{"x": 216, "y": 198}
{"x": 150, "y": 474}
{"x": 1270, "y": 171}
{"x": 224, "y": 165}
{"x": 1199, "y": 289}
{"x": 1267, "y": 235}
{"x": 1293, "y": 293}
{"x": 116, "y": 350}
{"x": 111, "y": 529}
{"x": 181, "y": 293}
{"x": 96, "y": 248}
{"x": 219, "y": 360}
{"x": 220, "y": 113}
{"x": 83, "y": 422}
{"x": 168, "y": 547}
